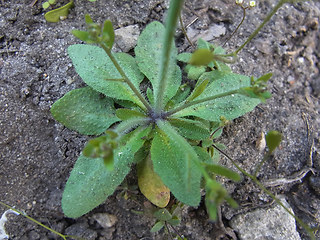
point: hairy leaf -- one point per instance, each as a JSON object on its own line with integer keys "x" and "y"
{"x": 184, "y": 57}
{"x": 85, "y": 111}
{"x": 96, "y": 69}
{"x": 203, "y": 155}
{"x": 148, "y": 55}
{"x": 162, "y": 214}
{"x": 174, "y": 221}
{"x": 182, "y": 93}
{"x": 194, "y": 72}
{"x": 174, "y": 160}
{"x": 229, "y": 107}
{"x": 90, "y": 183}
{"x": 124, "y": 113}
{"x": 190, "y": 129}
{"x": 157, "y": 227}
{"x": 200, "y": 87}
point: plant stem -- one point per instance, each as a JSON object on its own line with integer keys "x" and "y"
{"x": 267, "y": 19}
{"x": 125, "y": 78}
{"x": 173, "y": 15}
{"x": 184, "y": 106}
{"x": 35, "y": 221}
{"x": 265, "y": 158}
{"x": 185, "y": 31}
{"x": 237, "y": 28}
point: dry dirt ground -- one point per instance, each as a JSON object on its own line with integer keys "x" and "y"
{"x": 37, "y": 153}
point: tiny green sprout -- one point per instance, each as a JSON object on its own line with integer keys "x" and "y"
{"x": 167, "y": 220}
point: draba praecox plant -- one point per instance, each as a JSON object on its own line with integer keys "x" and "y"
{"x": 166, "y": 130}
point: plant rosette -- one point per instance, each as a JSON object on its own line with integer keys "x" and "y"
{"x": 166, "y": 131}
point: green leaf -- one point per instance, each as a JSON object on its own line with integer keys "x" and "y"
{"x": 45, "y": 5}
{"x": 182, "y": 93}
{"x": 223, "y": 171}
{"x": 150, "y": 96}
{"x": 124, "y": 113}
{"x": 203, "y": 155}
{"x": 90, "y": 183}
{"x": 150, "y": 184}
{"x": 88, "y": 19}
{"x": 231, "y": 202}
{"x": 184, "y": 57}
{"x": 273, "y": 139}
{"x": 203, "y": 44}
{"x": 174, "y": 221}
{"x": 190, "y": 129}
{"x": 157, "y": 227}
{"x": 194, "y": 72}
{"x": 200, "y": 87}
{"x": 217, "y": 50}
{"x": 56, "y": 14}
{"x": 211, "y": 208}
{"x": 148, "y": 55}
{"x": 162, "y": 215}
{"x": 201, "y": 57}
{"x": 108, "y": 33}
{"x": 85, "y": 111}
{"x": 264, "y": 78}
{"x": 174, "y": 160}
{"x": 230, "y": 107}
{"x": 95, "y": 68}
{"x": 215, "y": 195}
{"x": 82, "y": 35}
{"x": 52, "y": 2}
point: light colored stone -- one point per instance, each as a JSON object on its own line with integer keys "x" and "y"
{"x": 273, "y": 223}
{"x": 105, "y": 220}
{"x": 214, "y": 31}
{"x": 126, "y": 37}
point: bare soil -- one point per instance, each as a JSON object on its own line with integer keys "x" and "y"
{"x": 37, "y": 153}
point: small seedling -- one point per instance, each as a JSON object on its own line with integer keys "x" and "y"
{"x": 167, "y": 131}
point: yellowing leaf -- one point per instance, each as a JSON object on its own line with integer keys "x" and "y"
{"x": 151, "y": 185}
